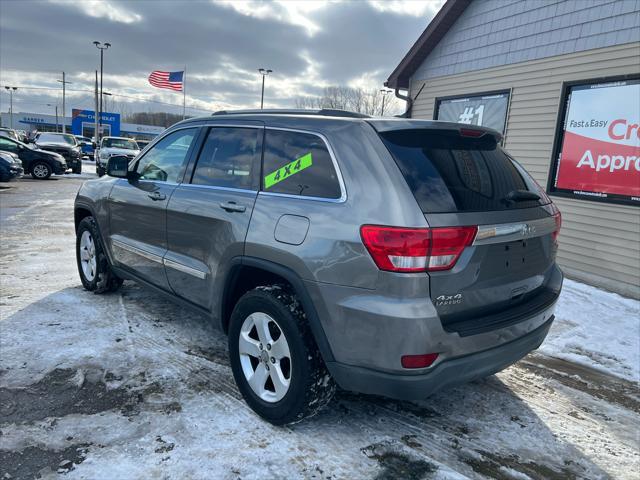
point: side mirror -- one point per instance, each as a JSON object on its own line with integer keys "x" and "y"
{"x": 118, "y": 166}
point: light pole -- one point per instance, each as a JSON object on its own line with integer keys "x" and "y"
{"x": 64, "y": 110}
{"x": 56, "y": 105}
{"x": 106, "y": 94}
{"x": 264, "y": 72}
{"x": 102, "y": 48}
{"x": 385, "y": 92}
{"x": 11, "y": 90}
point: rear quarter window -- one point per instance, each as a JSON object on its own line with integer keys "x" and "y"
{"x": 297, "y": 163}
{"x": 449, "y": 173}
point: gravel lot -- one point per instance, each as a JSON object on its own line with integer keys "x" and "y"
{"x": 128, "y": 385}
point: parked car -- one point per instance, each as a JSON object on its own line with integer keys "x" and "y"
{"x": 110, "y": 146}
{"x": 390, "y": 256}
{"x": 64, "y": 144}
{"x": 39, "y": 163}
{"x": 8, "y": 132}
{"x": 10, "y": 167}
{"x": 86, "y": 146}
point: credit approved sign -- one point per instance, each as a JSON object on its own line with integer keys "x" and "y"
{"x": 599, "y": 153}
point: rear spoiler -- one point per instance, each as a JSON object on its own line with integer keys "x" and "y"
{"x": 465, "y": 130}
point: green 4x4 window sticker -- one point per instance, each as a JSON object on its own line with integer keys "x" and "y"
{"x": 289, "y": 169}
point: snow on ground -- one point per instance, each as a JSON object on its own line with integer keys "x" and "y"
{"x": 129, "y": 386}
{"x": 598, "y": 329}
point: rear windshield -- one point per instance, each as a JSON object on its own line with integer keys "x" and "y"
{"x": 57, "y": 138}
{"x": 450, "y": 173}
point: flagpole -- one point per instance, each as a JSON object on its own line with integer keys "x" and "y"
{"x": 184, "y": 93}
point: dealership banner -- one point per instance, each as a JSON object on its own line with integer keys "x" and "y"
{"x": 599, "y": 154}
{"x": 487, "y": 110}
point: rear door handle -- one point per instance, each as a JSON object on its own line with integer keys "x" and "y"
{"x": 232, "y": 207}
{"x": 157, "y": 196}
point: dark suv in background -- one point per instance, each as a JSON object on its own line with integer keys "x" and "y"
{"x": 40, "y": 164}
{"x": 390, "y": 256}
{"x": 64, "y": 144}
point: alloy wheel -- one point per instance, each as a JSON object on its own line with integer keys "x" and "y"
{"x": 265, "y": 357}
{"x": 40, "y": 171}
{"x": 88, "y": 256}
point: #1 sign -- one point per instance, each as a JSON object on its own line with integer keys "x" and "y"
{"x": 600, "y": 150}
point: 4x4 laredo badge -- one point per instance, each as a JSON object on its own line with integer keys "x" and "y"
{"x": 448, "y": 300}
{"x": 289, "y": 169}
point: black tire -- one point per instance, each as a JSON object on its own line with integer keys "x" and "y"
{"x": 100, "y": 171}
{"x": 104, "y": 280}
{"x": 41, "y": 170}
{"x": 311, "y": 386}
{"x": 78, "y": 169}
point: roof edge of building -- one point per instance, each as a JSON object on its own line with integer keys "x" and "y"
{"x": 430, "y": 37}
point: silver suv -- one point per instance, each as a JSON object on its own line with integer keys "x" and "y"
{"x": 387, "y": 256}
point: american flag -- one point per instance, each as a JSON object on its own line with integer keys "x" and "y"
{"x": 170, "y": 80}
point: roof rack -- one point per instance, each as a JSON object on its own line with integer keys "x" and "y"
{"x": 326, "y": 112}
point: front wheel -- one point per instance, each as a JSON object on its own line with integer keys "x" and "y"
{"x": 78, "y": 169}
{"x": 41, "y": 170}
{"x": 93, "y": 265}
{"x": 100, "y": 171}
{"x": 274, "y": 358}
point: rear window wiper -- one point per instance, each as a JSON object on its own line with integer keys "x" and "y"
{"x": 520, "y": 196}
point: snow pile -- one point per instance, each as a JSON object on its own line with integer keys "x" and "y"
{"x": 598, "y": 329}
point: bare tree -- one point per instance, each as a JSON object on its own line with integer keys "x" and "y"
{"x": 161, "y": 119}
{"x": 358, "y": 100}
{"x": 310, "y": 103}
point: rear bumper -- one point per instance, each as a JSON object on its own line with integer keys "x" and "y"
{"x": 373, "y": 329}
{"x": 446, "y": 374}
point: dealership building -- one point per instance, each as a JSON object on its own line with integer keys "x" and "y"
{"x": 561, "y": 81}
{"x": 81, "y": 122}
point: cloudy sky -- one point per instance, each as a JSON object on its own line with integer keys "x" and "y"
{"x": 308, "y": 45}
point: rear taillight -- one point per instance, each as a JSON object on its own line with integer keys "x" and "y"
{"x": 447, "y": 245}
{"x": 397, "y": 249}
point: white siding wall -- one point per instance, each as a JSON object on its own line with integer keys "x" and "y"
{"x": 599, "y": 242}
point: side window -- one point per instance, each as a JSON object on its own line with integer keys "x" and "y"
{"x": 7, "y": 145}
{"x": 298, "y": 164}
{"x": 166, "y": 161}
{"x": 230, "y": 157}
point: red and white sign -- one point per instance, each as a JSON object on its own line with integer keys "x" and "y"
{"x": 601, "y": 144}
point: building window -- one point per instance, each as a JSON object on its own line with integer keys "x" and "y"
{"x": 483, "y": 109}
{"x": 596, "y": 154}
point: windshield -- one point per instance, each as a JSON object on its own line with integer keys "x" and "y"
{"x": 119, "y": 143}
{"x": 449, "y": 173}
{"x": 7, "y": 133}
{"x": 56, "y": 138}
